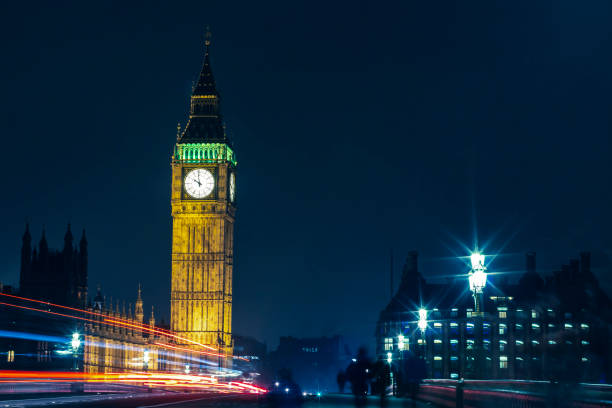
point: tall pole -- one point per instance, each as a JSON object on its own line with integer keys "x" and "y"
{"x": 391, "y": 275}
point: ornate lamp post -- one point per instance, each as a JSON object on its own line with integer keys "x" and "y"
{"x": 478, "y": 280}
{"x": 75, "y": 343}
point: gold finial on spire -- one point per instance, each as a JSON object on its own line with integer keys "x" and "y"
{"x": 178, "y": 130}
{"x": 207, "y": 37}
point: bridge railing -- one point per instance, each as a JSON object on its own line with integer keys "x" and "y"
{"x": 514, "y": 394}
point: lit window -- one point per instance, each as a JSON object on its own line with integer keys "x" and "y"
{"x": 502, "y": 315}
{"x": 421, "y": 341}
{"x": 437, "y": 358}
{"x": 552, "y": 342}
{"x": 568, "y": 326}
{"x": 437, "y": 341}
{"x": 388, "y": 343}
{"x": 584, "y": 326}
{"x": 584, "y": 342}
{"x": 469, "y": 344}
{"x": 454, "y": 358}
{"x": 502, "y": 329}
{"x": 519, "y": 358}
{"x": 470, "y": 325}
{"x": 534, "y": 314}
{"x": 503, "y": 361}
{"x": 519, "y": 342}
{"x": 10, "y": 356}
{"x": 585, "y": 359}
{"x": 437, "y": 325}
{"x": 454, "y": 341}
{"x": 453, "y": 324}
{"x": 468, "y": 312}
{"x": 519, "y": 326}
{"x": 535, "y": 326}
{"x": 551, "y": 325}
{"x": 535, "y": 342}
{"x": 454, "y": 375}
{"x": 454, "y": 309}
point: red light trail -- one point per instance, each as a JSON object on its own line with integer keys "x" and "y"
{"x": 116, "y": 320}
{"x": 161, "y": 380}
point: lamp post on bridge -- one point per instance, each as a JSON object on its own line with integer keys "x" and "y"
{"x": 478, "y": 280}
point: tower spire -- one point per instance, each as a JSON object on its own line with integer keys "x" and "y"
{"x": 207, "y": 38}
{"x": 205, "y": 86}
{"x": 205, "y": 123}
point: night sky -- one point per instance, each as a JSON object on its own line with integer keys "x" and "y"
{"x": 358, "y": 128}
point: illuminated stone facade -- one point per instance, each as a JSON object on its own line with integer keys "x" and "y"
{"x": 203, "y": 222}
{"x": 121, "y": 348}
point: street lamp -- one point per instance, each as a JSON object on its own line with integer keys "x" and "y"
{"x": 145, "y": 359}
{"x": 422, "y": 320}
{"x": 478, "y": 280}
{"x": 75, "y": 343}
{"x": 400, "y": 342}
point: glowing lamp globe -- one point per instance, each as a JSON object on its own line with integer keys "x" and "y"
{"x": 477, "y": 261}
{"x": 76, "y": 342}
{"x": 422, "y": 320}
{"x": 478, "y": 280}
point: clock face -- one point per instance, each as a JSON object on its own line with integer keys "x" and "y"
{"x": 232, "y": 187}
{"x": 199, "y": 183}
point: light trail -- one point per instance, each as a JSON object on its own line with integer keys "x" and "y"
{"x": 31, "y": 336}
{"x": 195, "y": 351}
{"x": 161, "y": 380}
{"x": 141, "y": 326}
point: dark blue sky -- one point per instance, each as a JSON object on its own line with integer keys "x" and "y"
{"x": 358, "y": 127}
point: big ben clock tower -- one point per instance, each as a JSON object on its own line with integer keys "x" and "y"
{"x": 203, "y": 212}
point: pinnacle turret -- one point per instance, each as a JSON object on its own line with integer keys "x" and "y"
{"x": 138, "y": 310}
{"x": 68, "y": 240}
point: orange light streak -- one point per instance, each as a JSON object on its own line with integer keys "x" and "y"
{"x": 163, "y": 380}
{"x": 141, "y": 326}
{"x": 196, "y": 351}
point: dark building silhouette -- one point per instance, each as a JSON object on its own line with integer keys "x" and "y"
{"x": 313, "y": 362}
{"x": 54, "y": 276}
{"x": 553, "y": 327}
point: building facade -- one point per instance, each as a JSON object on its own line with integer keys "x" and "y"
{"x": 537, "y": 329}
{"x": 203, "y": 194}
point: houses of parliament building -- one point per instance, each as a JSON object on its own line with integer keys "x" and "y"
{"x": 52, "y": 311}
